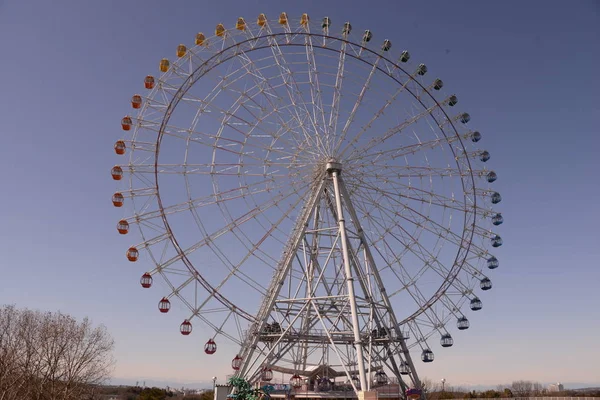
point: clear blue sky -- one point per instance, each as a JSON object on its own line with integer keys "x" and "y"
{"x": 523, "y": 70}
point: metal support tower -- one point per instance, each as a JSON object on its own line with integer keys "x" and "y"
{"x": 338, "y": 287}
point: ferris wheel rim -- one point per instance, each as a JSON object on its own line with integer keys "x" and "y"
{"x": 451, "y": 295}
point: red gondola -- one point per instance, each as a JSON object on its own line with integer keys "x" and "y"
{"x": 185, "y": 328}
{"x": 236, "y": 363}
{"x": 210, "y": 347}
{"x": 146, "y": 280}
{"x": 164, "y": 305}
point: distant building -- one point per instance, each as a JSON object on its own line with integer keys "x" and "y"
{"x": 556, "y": 387}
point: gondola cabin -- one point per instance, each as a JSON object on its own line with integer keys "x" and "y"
{"x": 261, "y": 20}
{"x": 496, "y": 198}
{"x": 185, "y": 328}
{"x": 381, "y": 378}
{"x": 346, "y": 29}
{"x": 496, "y": 241}
{"x": 446, "y": 340}
{"x": 267, "y": 374}
{"x": 146, "y": 280}
{"x": 497, "y": 219}
{"x": 493, "y": 263}
{"x": 220, "y": 30}
{"x": 118, "y": 200}
{"x": 136, "y": 101}
{"x": 164, "y": 305}
{"x": 367, "y": 36}
{"x": 427, "y": 356}
{"x": 117, "y": 173}
{"x": 164, "y": 65}
{"x": 210, "y": 347}
{"x": 236, "y": 363}
{"x": 123, "y": 227}
{"x": 132, "y": 254}
{"x": 126, "y": 123}
{"x": 476, "y": 304}
{"x": 240, "y": 25}
{"x": 413, "y": 394}
{"x": 283, "y": 20}
{"x": 485, "y": 284}
{"x": 304, "y": 19}
{"x": 149, "y": 82}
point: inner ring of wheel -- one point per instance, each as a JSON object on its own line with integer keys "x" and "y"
{"x": 216, "y": 60}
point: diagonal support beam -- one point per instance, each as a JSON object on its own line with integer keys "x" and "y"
{"x": 380, "y": 285}
{"x": 278, "y": 279}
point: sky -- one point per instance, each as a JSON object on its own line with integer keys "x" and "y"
{"x": 523, "y": 70}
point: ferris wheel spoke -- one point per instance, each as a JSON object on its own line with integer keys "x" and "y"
{"x": 389, "y": 133}
{"x": 292, "y": 87}
{"x": 235, "y": 268}
{"x": 357, "y": 104}
{"x": 201, "y": 137}
{"x": 205, "y": 201}
{"x": 139, "y": 192}
{"x": 443, "y": 233}
{"x": 139, "y": 145}
{"x": 224, "y": 122}
{"x": 407, "y": 171}
{"x": 236, "y": 223}
{"x": 415, "y": 293}
{"x": 420, "y": 196}
{"x": 380, "y": 157}
{"x": 406, "y": 279}
{"x": 258, "y": 125}
{"x": 337, "y": 95}
{"x": 220, "y": 169}
{"x": 425, "y": 223}
{"x": 406, "y": 241}
{"x": 423, "y": 254}
{"x": 380, "y": 139}
{"x": 263, "y": 83}
{"x": 318, "y": 114}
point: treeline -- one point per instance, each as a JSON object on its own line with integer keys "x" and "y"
{"x": 154, "y": 393}
{"x": 51, "y": 356}
{"x": 518, "y": 389}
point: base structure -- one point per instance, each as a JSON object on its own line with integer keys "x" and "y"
{"x": 391, "y": 391}
{"x": 326, "y": 321}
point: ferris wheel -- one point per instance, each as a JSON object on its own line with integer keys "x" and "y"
{"x": 311, "y": 196}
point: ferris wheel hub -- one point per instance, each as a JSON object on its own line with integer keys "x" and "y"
{"x": 333, "y": 166}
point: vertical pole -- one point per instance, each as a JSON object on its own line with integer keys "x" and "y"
{"x": 334, "y": 169}
{"x": 382, "y": 290}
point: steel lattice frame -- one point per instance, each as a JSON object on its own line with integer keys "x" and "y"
{"x": 276, "y": 131}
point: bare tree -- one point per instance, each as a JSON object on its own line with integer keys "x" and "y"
{"x": 427, "y": 385}
{"x": 51, "y": 356}
{"x": 522, "y": 388}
